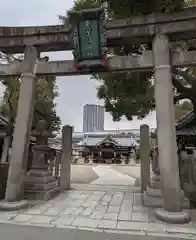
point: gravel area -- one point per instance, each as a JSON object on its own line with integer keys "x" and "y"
{"x": 132, "y": 171}
{"x": 82, "y": 174}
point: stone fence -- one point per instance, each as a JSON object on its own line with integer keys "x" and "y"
{"x": 187, "y": 168}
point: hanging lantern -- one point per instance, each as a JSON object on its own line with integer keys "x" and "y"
{"x": 89, "y": 38}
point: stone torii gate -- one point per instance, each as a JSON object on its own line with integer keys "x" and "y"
{"x": 158, "y": 28}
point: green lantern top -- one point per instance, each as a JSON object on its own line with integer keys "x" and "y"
{"x": 88, "y": 36}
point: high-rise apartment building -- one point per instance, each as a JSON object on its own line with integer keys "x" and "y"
{"x": 93, "y": 118}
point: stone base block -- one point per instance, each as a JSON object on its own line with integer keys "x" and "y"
{"x": 153, "y": 192}
{"x": 155, "y": 184}
{"x": 39, "y": 180}
{"x": 40, "y": 185}
{"x": 172, "y": 217}
{"x": 80, "y": 161}
{"x": 157, "y": 201}
{"x": 132, "y": 162}
{"x": 152, "y": 201}
{"x": 155, "y": 177}
{"x": 42, "y": 195}
{"x": 91, "y": 163}
{"x": 39, "y": 173}
{"x": 13, "y": 206}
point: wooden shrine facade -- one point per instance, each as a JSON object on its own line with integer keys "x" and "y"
{"x": 109, "y": 149}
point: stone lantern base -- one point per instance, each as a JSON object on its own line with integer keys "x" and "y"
{"x": 40, "y": 185}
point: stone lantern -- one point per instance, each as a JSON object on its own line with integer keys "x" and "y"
{"x": 40, "y": 183}
{"x": 41, "y": 150}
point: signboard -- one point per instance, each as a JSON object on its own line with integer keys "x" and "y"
{"x": 89, "y": 38}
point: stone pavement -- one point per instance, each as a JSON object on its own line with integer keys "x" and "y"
{"x": 99, "y": 208}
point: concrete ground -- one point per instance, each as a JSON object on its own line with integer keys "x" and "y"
{"x": 8, "y": 232}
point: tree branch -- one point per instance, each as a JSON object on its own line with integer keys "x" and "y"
{"x": 179, "y": 97}
{"x": 187, "y": 77}
{"x": 180, "y": 87}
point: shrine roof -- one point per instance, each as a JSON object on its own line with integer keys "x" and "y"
{"x": 118, "y": 141}
{"x": 190, "y": 131}
{"x": 186, "y": 125}
{"x": 187, "y": 119}
{"x": 3, "y": 121}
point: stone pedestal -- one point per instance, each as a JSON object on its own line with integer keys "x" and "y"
{"x": 132, "y": 161}
{"x": 6, "y": 143}
{"x": 154, "y": 192}
{"x": 81, "y": 160}
{"x": 155, "y": 181}
{"x": 40, "y": 184}
{"x": 90, "y": 160}
{"x": 168, "y": 161}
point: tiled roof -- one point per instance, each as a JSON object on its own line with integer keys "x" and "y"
{"x": 187, "y": 131}
{"x": 120, "y": 141}
{"x": 186, "y": 119}
{"x": 3, "y": 121}
{"x": 185, "y": 126}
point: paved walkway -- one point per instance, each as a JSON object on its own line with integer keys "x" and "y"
{"x": 99, "y": 208}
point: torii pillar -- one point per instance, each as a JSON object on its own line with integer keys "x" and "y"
{"x": 20, "y": 146}
{"x": 169, "y": 169}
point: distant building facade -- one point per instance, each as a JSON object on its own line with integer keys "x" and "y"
{"x": 93, "y": 118}
{"x": 106, "y": 149}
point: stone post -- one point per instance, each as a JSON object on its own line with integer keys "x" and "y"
{"x": 154, "y": 188}
{"x": 6, "y": 143}
{"x": 65, "y": 171}
{"x": 57, "y": 164}
{"x": 24, "y": 118}
{"x": 144, "y": 157}
{"x": 172, "y": 210}
{"x": 155, "y": 179}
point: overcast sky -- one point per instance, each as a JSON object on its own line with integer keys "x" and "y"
{"x": 74, "y": 91}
